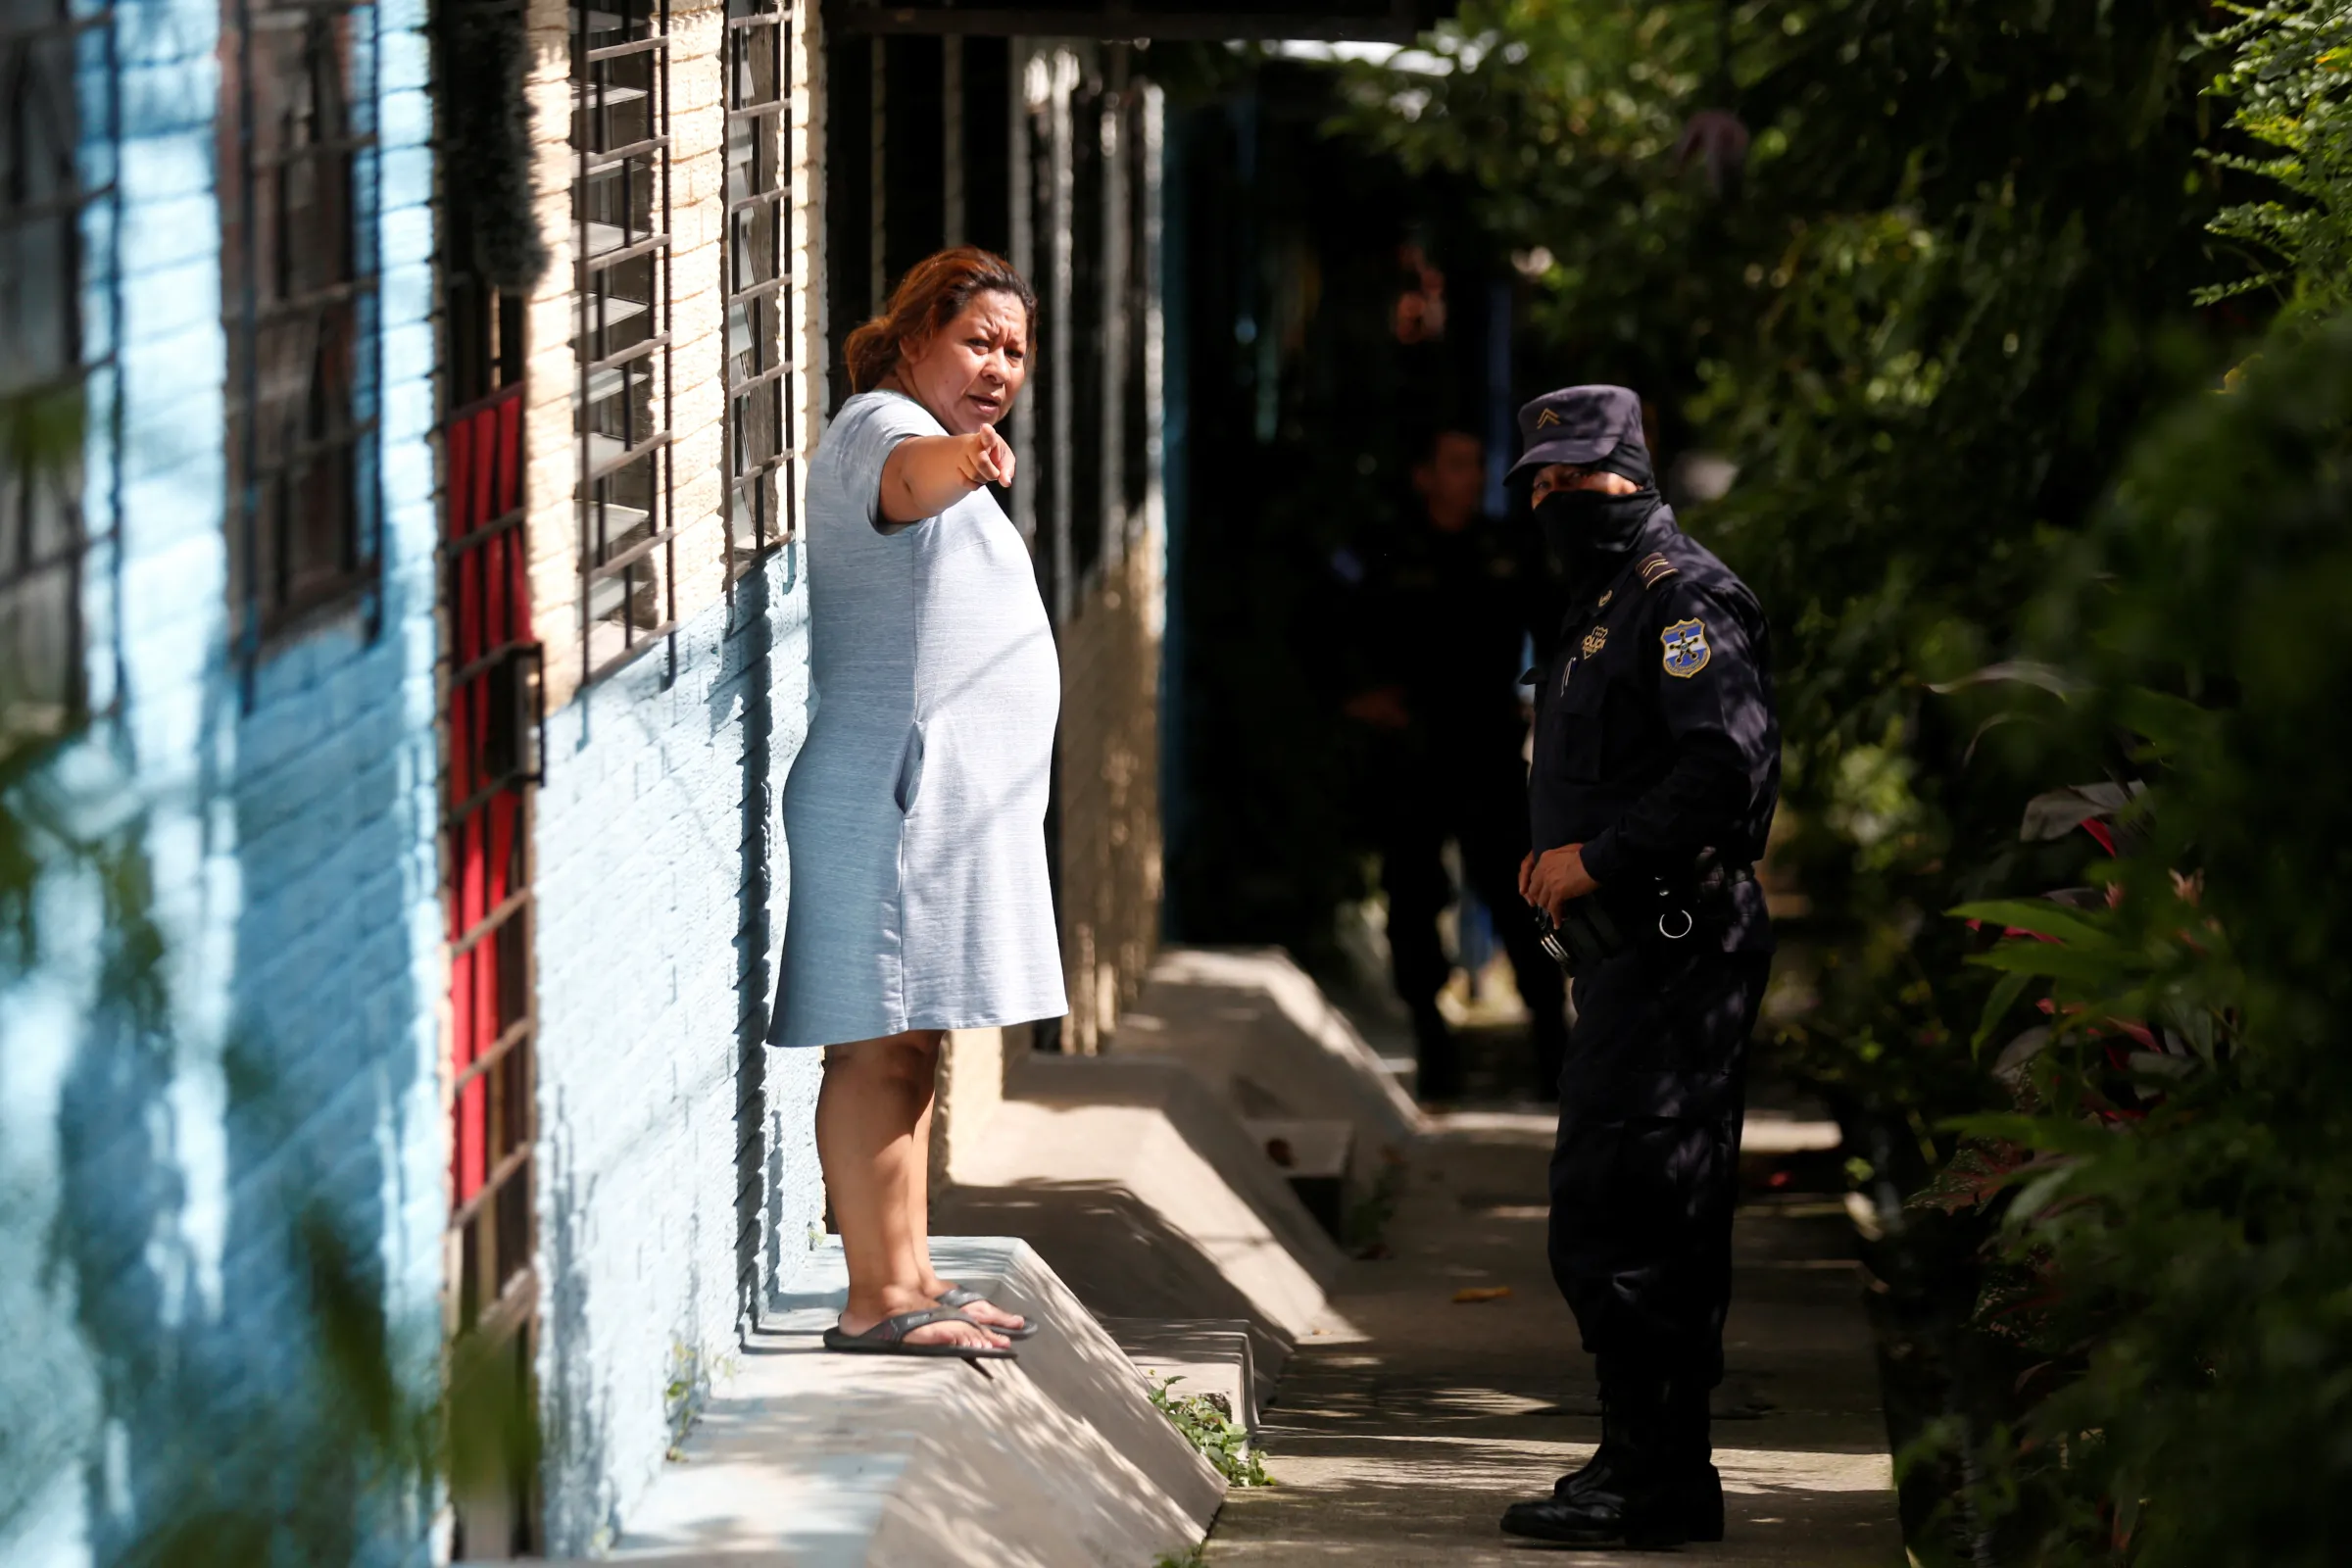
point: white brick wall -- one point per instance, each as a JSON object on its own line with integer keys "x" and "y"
{"x": 661, "y": 894}
{"x": 675, "y": 1148}
{"x": 696, "y": 128}
{"x": 289, "y": 842}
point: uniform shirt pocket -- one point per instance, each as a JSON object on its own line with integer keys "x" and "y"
{"x": 1578, "y": 724}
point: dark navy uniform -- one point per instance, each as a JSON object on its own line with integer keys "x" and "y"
{"x": 1657, "y": 749}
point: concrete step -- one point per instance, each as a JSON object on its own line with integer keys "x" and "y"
{"x": 1260, "y": 1033}
{"x": 1318, "y": 1159}
{"x": 1146, "y": 1195}
{"x": 1209, "y": 1354}
{"x": 817, "y": 1461}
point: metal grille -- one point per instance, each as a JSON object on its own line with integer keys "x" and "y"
{"x": 492, "y": 731}
{"x": 42, "y": 373}
{"x": 620, "y": 328}
{"x": 1084, "y": 286}
{"x": 759, "y": 419}
{"x": 297, "y": 270}
{"x": 492, "y": 719}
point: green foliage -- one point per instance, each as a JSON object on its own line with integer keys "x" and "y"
{"x": 2176, "y": 1193}
{"x": 1955, "y": 276}
{"x": 1365, "y": 1226}
{"x": 2289, "y": 79}
{"x": 1208, "y": 1424}
{"x": 1984, "y": 258}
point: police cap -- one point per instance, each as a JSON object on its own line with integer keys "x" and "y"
{"x": 1578, "y": 425}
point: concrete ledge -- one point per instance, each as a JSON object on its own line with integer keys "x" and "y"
{"x": 1209, "y": 1354}
{"x": 1261, "y": 1032}
{"x": 816, "y": 1460}
{"x": 1148, "y": 1196}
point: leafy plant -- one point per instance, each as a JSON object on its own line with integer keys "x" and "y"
{"x": 2175, "y": 1250}
{"x": 1980, "y": 261}
{"x": 2288, "y": 77}
{"x": 1208, "y": 1424}
{"x": 1365, "y": 1227}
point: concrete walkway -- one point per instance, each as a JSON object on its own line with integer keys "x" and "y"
{"x": 1404, "y": 1426}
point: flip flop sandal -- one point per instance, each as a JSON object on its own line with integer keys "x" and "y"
{"x": 956, "y": 1295}
{"x": 889, "y": 1337}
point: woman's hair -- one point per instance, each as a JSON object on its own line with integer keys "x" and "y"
{"x": 933, "y": 293}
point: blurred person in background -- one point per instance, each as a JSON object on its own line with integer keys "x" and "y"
{"x": 1441, "y": 621}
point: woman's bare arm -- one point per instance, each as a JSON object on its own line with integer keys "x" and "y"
{"x": 927, "y": 474}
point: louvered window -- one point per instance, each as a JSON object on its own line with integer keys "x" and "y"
{"x": 298, "y": 277}
{"x": 44, "y": 376}
{"x": 758, "y": 278}
{"x": 622, "y": 327}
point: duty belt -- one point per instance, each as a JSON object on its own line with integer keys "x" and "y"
{"x": 1658, "y": 914}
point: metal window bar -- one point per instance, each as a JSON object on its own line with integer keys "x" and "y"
{"x": 759, "y": 419}
{"x": 298, "y": 271}
{"x": 1082, "y": 284}
{"x": 45, "y": 379}
{"x": 621, "y": 329}
{"x": 493, "y": 723}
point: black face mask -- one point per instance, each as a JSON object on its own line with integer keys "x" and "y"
{"x": 1580, "y": 523}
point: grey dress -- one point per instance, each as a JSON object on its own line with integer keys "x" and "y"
{"x": 915, "y": 816}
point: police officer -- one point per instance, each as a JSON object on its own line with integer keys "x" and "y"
{"x": 1442, "y": 616}
{"x": 1656, "y": 769}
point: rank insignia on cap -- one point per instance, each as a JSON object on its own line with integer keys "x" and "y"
{"x": 1656, "y": 568}
{"x": 1596, "y": 640}
{"x": 1686, "y": 649}
{"x": 1548, "y": 417}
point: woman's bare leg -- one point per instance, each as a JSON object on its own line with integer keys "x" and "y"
{"x": 876, "y": 1094}
{"x": 918, "y": 1224}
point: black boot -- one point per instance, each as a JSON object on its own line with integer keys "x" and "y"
{"x": 1606, "y": 1460}
{"x": 1655, "y": 1489}
{"x": 1697, "y": 1484}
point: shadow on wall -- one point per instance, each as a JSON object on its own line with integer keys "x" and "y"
{"x": 780, "y": 1196}
{"x": 756, "y": 1211}
{"x": 241, "y": 1218}
{"x": 665, "y": 1168}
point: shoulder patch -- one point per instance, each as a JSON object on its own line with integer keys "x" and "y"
{"x": 1656, "y": 568}
{"x": 1686, "y": 649}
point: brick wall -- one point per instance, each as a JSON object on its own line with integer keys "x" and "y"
{"x": 678, "y": 1167}
{"x": 289, "y": 849}
{"x": 661, "y": 893}
{"x": 698, "y": 131}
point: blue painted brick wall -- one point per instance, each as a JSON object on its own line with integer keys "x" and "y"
{"x": 292, "y": 863}
{"x": 673, "y": 1144}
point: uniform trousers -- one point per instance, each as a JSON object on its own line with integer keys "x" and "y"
{"x": 1645, "y": 1174}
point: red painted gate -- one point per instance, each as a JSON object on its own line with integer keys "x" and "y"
{"x": 492, "y": 719}
{"x": 492, "y": 726}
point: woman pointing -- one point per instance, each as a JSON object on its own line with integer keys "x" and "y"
{"x": 915, "y": 816}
